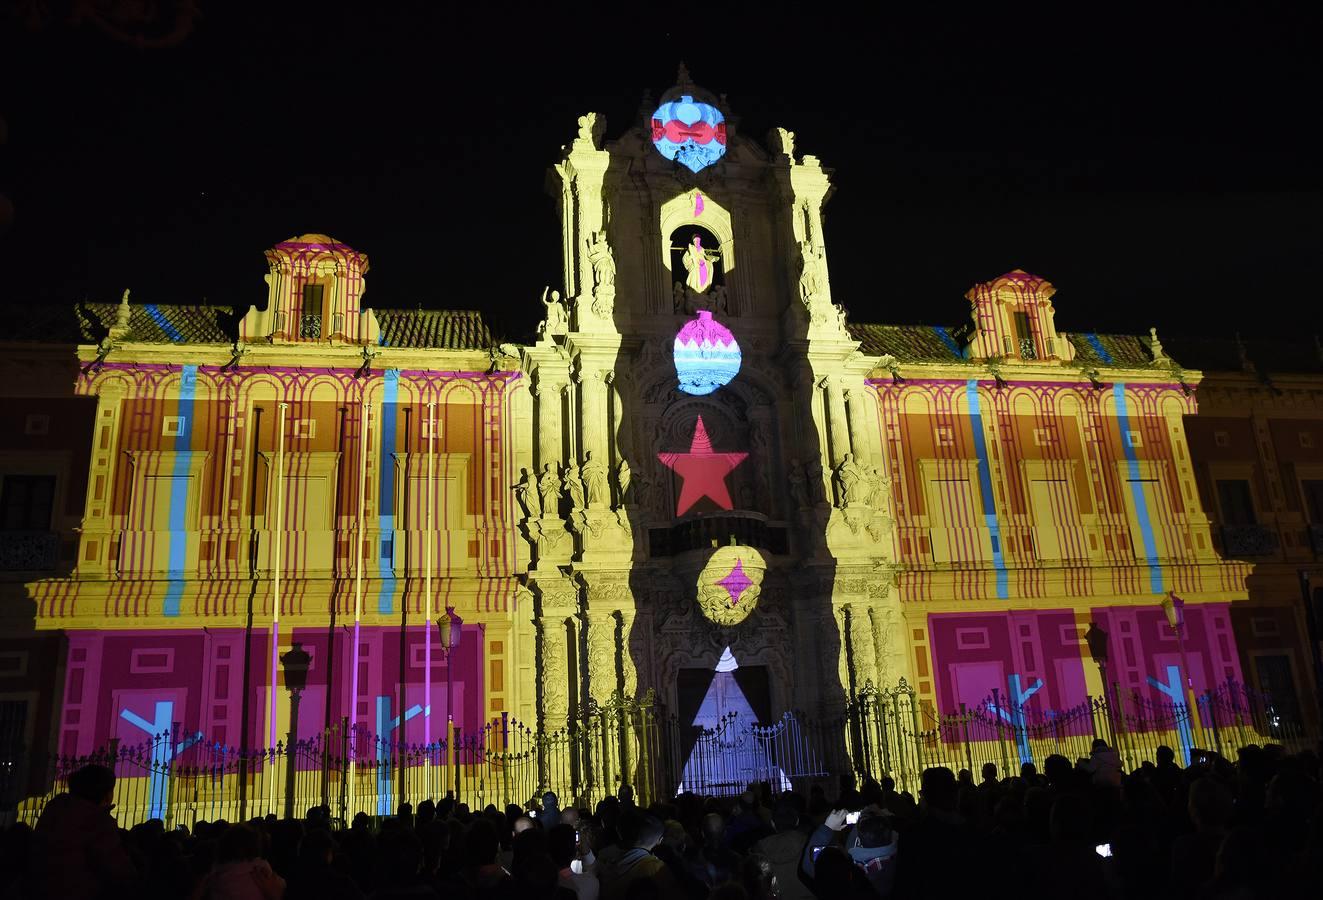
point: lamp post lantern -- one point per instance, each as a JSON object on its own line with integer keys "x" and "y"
{"x": 1096, "y": 638}
{"x": 450, "y": 636}
{"x": 295, "y": 665}
{"x": 1173, "y": 608}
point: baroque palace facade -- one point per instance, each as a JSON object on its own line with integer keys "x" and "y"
{"x": 697, "y": 458}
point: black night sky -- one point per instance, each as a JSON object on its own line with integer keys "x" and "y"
{"x": 1158, "y": 172}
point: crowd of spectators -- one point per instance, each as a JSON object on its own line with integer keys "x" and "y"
{"x": 1215, "y": 829}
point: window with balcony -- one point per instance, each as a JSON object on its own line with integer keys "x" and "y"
{"x": 310, "y": 322}
{"x": 26, "y": 540}
{"x": 1242, "y": 535}
{"x": 1236, "y": 502}
{"x": 1024, "y": 336}
{"x": 26, "y": 502}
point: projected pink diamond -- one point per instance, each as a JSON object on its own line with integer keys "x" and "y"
{"x": 736, "y": 583}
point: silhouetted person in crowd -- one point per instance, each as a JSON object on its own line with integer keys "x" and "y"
{"x": 315, "y": 876}
{"x": 77, "y": 850}
{"x": 240, "y": 872}
{"x": 549, "y": 816}
{"x": 782, "y": 850}
{"x": 638, "y": 871}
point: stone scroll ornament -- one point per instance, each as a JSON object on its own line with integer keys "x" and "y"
{"x": 730, "y": 584}
{"x": 690, "y": 132}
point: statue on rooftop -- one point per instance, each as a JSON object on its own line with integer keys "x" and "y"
{"x": 557, "y": 320}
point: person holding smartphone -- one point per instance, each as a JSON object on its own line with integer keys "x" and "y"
{"x": 868, "y": 840}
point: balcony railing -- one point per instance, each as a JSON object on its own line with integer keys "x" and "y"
{"x": 310, "y": 326}
{"x": 28, "y": 551}
{"x": 1248, "y": 540}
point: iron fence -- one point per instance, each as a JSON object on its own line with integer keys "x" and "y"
{"x": 180, "y": 778}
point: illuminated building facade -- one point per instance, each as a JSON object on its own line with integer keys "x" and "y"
{"x": 697, "y": 467}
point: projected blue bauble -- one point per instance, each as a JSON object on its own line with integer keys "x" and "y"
{"x": 707, "y": 356}
{"x": 690, "y": 132}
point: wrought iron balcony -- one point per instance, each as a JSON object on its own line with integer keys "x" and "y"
{"x": 28, "y": 551}
{"x": 1248, "y": 540}
{"x": 1027, "y": 349}
{"x": 310, "y": 326}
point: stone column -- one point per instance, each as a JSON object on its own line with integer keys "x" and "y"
{"x": 547, "y": 394}
{"x": 856, "y": 404}
{"x": 861, "y": 645}
{"x": 628, "y": 673}
{"x": 837, "y": 426}
{"x": 558, "y": 602}
{"x": 593, "y": 393}
{"x": 94, "y": 541}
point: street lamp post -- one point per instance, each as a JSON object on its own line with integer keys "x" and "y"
{"x": 1312, "y": 626}
{"x": 449, "y": 642}
{"x": 295, "y": 664}
{"x": 1096, "y": 638}
{"x": 1174, "y": 609}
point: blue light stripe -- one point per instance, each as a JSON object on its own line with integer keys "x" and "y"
{"x": 948, "y": 340}
{"x": 985, "y": 488}
{"x": 159, "y": 318}
{"x": 178, "y": 523}
{"x": 1099, "y": 348}
{"x": 386, "y": 494}
{"x": 1137, "y": 493}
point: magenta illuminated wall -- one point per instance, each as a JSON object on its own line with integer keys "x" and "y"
{"x": 976, "y": 652}
{"x": 126, "y": 685}
{"x": 1141, "y": 645}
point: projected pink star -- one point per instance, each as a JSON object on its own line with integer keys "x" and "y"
{"x": 704, "y": 471}
{"x": 736, "y": 583}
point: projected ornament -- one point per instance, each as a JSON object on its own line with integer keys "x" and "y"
{"x": 707, "y": 356}
{"x": 730, "y": 584}
{"x": 690, "y": 132}
{"x": 704, "y": 471}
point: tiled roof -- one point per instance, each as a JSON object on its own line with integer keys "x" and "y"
{"x": 446, "y": 329}
{"x": 939, "y": 344}
{"x": 88, "y": 323}
{"x": 1127, "y": 350}
{"x": 914, "y": 343}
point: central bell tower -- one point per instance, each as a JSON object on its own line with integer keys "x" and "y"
{"x": 707, "y": 479}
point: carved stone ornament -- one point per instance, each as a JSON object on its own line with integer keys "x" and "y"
{"x": 730, "y": 584}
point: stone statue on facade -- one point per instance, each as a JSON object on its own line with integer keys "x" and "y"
{"x": 526, "y": 492}
{"x": 700, "y": 264}
{"x": 720, "y": 303}
{"x": 604, "y": 274}
{"x": 798, "y": 484}
{"x": 851, "y": 483}
{"x": 812, "y": 272}
{"x": 574, "y": 487}
{"x": 781, "y": 142}
{"x": 549, "y": 486}
{"x": 877, "y": 489}
{"x": 594, "y": 479}
{"x": 642, "y": 487}
{"x": 557, "y": 319}
{"x": 591, "y": 128}
{"x": 623, "y": 476}
{"x": 814, "y": 474}
{"x": 678, "y": 297}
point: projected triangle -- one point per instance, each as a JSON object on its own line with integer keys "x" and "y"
{"x": 727, "y": 757}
